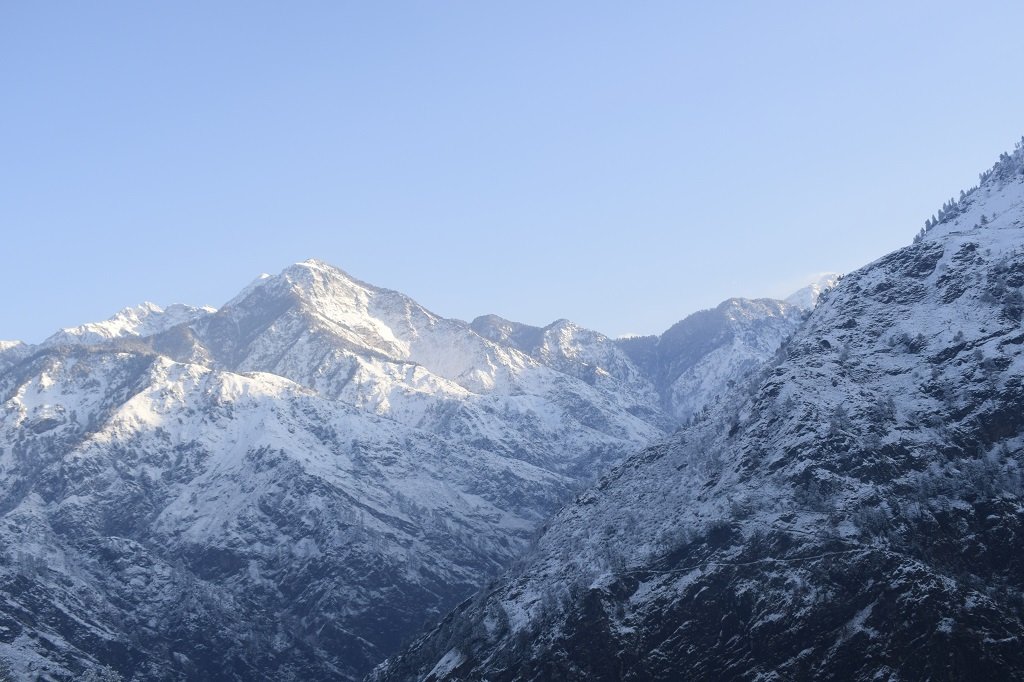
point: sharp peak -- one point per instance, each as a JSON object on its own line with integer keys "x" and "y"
{"x": 806, "y": 297}
{"x": 144, "y": 307}
{"x": 314, "y": 277}
{"x": 821, "y": 279}
{"x": 314, "y": 265}
{"x": 562, "y": 322}
{"x": 139, "y": 309}
{"x": 317, "y": 265}
{"x": 303, "y": 276}
{"x": 723, "y": 309}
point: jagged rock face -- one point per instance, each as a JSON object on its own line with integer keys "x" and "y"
{"x": 290, "y": 485}
{"x": 855, "y": 512}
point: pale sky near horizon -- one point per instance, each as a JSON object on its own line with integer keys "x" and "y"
{"x": 618, "y": 164}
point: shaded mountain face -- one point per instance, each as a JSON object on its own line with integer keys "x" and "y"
{"x": 288, "y": 486}
{"x": 703, "y": 356}
{"x": 855, "y": 511}
{"x": 12, "y": 352}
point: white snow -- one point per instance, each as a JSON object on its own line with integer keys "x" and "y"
{"x": 448, "y": 663}
{"x": 142, "y": 320}
{"x": 806, "y": 298}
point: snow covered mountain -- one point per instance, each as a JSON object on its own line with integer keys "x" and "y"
{"x": 156, "y": 509}
{"x": 681, "y": 371}
{"x": 856, "y": 511}
{"x": 289, "y": 485}
{"x": 12, "y": 352}
{"x": 142, "y": 320}
{"x": 703, "y": 356}
{"x": 587, "y": 355}
{"x": 807, "y": 297}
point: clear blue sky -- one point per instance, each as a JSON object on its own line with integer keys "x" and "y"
{"x": 619, "y": 164}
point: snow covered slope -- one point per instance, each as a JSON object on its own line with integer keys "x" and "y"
{"x": 142, "y": 320}
{"x": 154, "y": 510}
{"x": 807, "y": 297}
{"x": 701, "y": 357}
{"x": 679, "y": 372}
{"x": 318, "y": 449}
{"x": 288, "y": 486}
{"x": 12, "y": 352}
{"x": 585, "y": 354}
{"x": 855, "y": 512}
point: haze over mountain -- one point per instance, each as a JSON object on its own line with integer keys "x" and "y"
{"x": 291, "y": 484}
{"x": 853, "y": 510}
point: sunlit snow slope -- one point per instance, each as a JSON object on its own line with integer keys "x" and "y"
{"x": 288, "y": 486}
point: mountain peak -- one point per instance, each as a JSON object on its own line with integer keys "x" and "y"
{"x": 320, "y": 285}
{"x": 562, "y": 323}
{"x": 141, "y": 320}
{"x": 807, "y": 297}
{"x": 317, "y": 265}
{"x": 313, "y": 275}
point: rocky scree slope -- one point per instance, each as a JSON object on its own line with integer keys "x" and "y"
{"x": 857, "y": 514}
{"x": 284, "y": 487}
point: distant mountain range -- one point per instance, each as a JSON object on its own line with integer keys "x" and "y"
{"x": 289, "y": 486}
